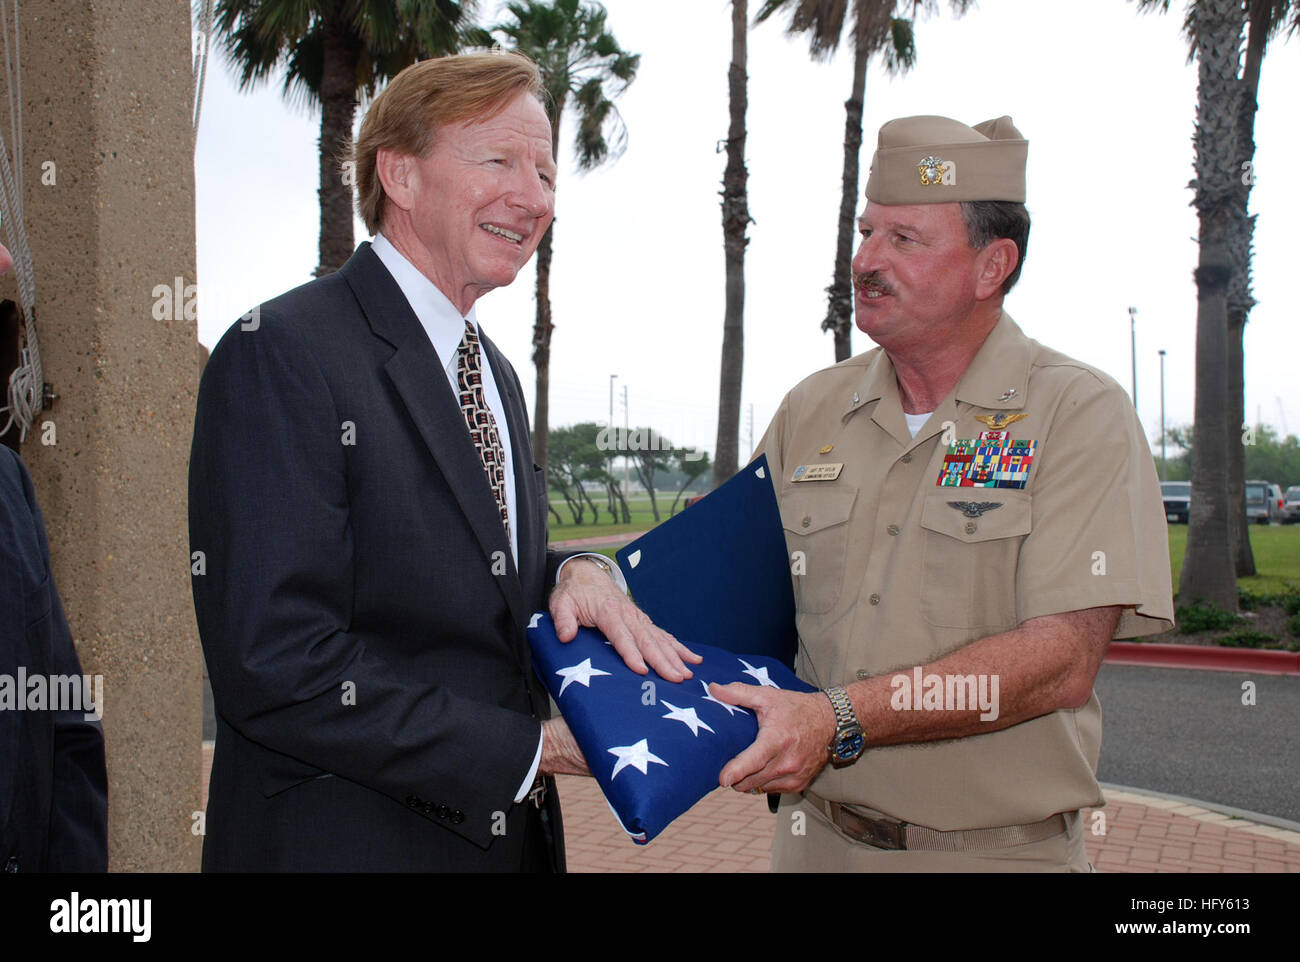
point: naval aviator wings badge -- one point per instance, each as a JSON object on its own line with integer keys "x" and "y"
{"x": 993, "y": 460}
{"x": 974, "y": 509}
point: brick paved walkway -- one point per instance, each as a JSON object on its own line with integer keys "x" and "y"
{"x": 730, "y": 832}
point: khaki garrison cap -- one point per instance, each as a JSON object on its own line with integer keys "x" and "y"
{"x": 934, "y": 160}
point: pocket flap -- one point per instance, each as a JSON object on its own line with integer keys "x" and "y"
{"x": 978, "y": 514}
{"x": 807, "y": 512}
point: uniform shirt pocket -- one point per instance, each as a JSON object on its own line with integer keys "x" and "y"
{"x": 970, "y": 555}
{"x": 816, "y": 526}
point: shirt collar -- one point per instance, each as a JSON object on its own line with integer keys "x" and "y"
{"x": 998, "y": 376}
{"x": 441, "y": 320}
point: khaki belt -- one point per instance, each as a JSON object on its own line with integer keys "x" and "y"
{"x": 881, "y": 831}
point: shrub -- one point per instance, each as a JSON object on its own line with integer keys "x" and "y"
{"x": 1192, "y": 619}
{"x": 1248, "y": 638}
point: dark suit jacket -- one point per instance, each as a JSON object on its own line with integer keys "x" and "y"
{"x": 361, "y": 615}
{"x": 53, "y": 784}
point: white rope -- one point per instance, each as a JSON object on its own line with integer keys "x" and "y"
{"x": 201, "y": 63}
{"x": 26, "y": 388}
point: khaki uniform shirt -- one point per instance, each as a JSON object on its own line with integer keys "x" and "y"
{"x": 888, "y": 575}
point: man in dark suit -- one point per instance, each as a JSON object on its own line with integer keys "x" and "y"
{"x": 372, "y": 526}
{"x": 53, "y": 783}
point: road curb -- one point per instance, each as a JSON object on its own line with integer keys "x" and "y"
{"x": 1204, "y": 657}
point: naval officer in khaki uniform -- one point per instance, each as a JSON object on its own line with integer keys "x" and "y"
{"x": 971, "y": 517}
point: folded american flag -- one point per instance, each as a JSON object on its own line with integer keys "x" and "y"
{"x": 655, "y": 747}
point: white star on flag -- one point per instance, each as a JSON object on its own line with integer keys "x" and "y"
{"x": 731, "y": 709}
{"x": 637, "y": 756}
{"x": 582, "y": 674}
{"x": 535, "y": 620}
{"x": 759, "y": 674}
{"x": 687, "y": 717}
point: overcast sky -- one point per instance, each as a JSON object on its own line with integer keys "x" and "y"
{"x": 1103, "y": 95}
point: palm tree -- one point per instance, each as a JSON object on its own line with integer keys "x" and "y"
{"x": 334, "y": 52}
{"x": 876, "y": 28}
{"x": 1264, "y": 20}
{"x": 1208, "y": 573}
{"x": 580, "y": 61}
{"x": 735, "y": 221}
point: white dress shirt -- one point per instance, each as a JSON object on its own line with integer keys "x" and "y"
{"x": 446, "y": 329}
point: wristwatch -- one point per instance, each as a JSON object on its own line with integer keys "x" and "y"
{"x": 848, "y": 742}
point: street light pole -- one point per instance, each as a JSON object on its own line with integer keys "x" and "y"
{"x": 1162, "y": 415}
{"x": 1132, "y": 326}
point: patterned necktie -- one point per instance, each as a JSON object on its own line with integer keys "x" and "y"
{"x": 478, "y": 418}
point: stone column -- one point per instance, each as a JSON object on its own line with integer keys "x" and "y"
{"x": 107, "y": 97}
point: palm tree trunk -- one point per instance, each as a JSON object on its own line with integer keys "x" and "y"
{"x": 1243, "y": 558}
{"x": 542, "y": 352}
{"x": 839, "y": 313}
{"x": 1208, "y": 572}
{"x": 543, "y": 327}
{"x": 1240, "y": 298}
{"x": 342, "y": 53}
{"x": 735, "y": 219}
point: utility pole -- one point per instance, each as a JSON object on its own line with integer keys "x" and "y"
{"x": 1162, "y": 415}
{"x": 1132, "y": 327}
{"x": 626, "y": 483}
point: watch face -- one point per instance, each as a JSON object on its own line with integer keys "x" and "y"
{"x": 849, "y": 747}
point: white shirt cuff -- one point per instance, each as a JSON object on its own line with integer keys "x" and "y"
{"x": 614, "y": 571}
{"x": 527, "y": 786}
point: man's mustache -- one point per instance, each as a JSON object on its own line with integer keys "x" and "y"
{"x": 871, "y": 280}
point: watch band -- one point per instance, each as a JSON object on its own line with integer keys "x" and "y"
{"x": 844, "y": 716}
{"x": 848, "y": 742}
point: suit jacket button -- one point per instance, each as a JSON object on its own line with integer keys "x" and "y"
{"x": 428, "y": 808}
{"x": 11, "y": 866}
{"x": 443, "y": 811}
{"x": 457, "y": 817}
{"x": 413, "y": 802}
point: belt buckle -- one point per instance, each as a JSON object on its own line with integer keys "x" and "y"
{"x": 884, "y": 833}
{"x": 537, "y": 795}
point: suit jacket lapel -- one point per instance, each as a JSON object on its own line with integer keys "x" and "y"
{"x": 417, "y": 373}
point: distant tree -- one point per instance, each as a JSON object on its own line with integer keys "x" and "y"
{"x": 335, "y": 52}
{"x": 692, "y": 465}
{"x": 1269, "y": 456}
{"x": 652, "y": 454}
{"x": 576, "y": 460}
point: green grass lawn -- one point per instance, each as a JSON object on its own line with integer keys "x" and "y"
{"x": 643, "y": 519}
{"x": 1277, "y": 556}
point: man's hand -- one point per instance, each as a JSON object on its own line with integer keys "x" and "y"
{"x": 794, "y": 729}
{"x": 588, "y": 596}
{"x": 560, "y": 752}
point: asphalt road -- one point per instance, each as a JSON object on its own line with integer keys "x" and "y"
{"x": 1183, "y": 732}
{"x": 1186, "y": 732}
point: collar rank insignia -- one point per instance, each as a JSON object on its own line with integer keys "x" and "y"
{"x": 973, "y": 509}
{"x": 935, "y": 170}
{"x": 997, "y": 422}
